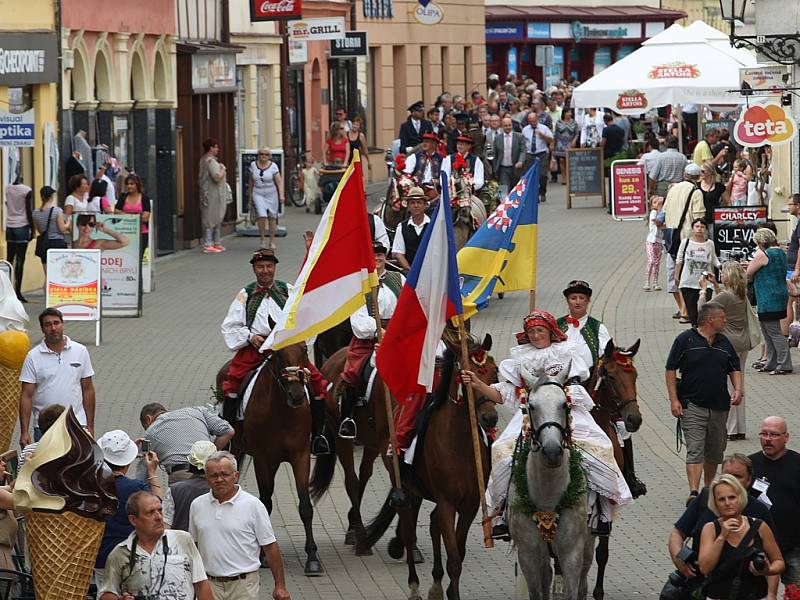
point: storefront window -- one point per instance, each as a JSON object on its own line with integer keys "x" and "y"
{"x": 513, "y": 65}
{"x": 339, "y": 90}
{"x": 602, "y": 59}
{"x": 378, "y": 9}
{"x": 297, "y": 111}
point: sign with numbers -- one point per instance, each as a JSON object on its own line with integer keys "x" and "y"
{"x": 628, "y": 190}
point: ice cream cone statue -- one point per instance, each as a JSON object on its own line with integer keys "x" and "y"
{"x": 14, "y": 345}
{"x": 66, "y": 492}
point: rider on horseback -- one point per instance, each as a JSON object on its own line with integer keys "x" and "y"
{"x": 409, "y": 235}
{"x": 363, "y": 343}
{"x": 463, "y": 160}
{"x": 591, "y": 337}
{"x": 424, "y": 166}
{"x": 250, "y": 319}
{"x": 545, "y": 348}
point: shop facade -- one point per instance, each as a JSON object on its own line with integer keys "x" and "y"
{"x": 586, "y": 40}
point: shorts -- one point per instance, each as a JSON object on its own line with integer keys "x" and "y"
{"x": 18, "y": 235}
{"x": 791, "y": 574}
{"x": 705, "y": 433}
{"x": 671, "y": 287}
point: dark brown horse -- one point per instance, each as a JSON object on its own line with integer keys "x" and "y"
{"x": 373, "y": 435}
{"x": 277, "y": 429}
{"x": 443, "y": 475}
{"x": 613, "y": 388}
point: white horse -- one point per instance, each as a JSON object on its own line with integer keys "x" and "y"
{"x": 547, "y": 470}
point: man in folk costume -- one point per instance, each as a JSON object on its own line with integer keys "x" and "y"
{"x": 250, "y": 319}
{"x": 414, "y": 127}
{"x": 424, "y": 166}
{"x": 591, "y": 337}
{"x": 365, "y": 336}
{"x": 465, "y": 162}
{"x": 408, "y": 237}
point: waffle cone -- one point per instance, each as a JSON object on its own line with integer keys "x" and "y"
{"x": 9, "y": 403}
{"x": 63, "y": 549}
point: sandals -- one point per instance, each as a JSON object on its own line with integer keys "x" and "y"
{"x": 780, "y": 372}
{"x": 758, "y": 365}
{"x": 684, "y": 320}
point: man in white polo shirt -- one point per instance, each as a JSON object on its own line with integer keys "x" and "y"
{"x": 56, "y": 371}
{"x": 230, "y": 528}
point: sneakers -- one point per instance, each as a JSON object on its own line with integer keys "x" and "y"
{"x": 211, "y": 250}
{"x": 220, "y": 248}
{"x": 657, "y": 288}
{"x": 646, "y": 287}
{"x": 347, "y": 429}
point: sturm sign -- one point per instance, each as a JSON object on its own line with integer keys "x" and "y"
{"x": 317, "y": 29}
{"x": 353, "y": 44}
{"x": 274, "y": 10}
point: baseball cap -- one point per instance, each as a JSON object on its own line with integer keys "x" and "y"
{"x": 692, "y": 170}
{"x": 118, "y": 448}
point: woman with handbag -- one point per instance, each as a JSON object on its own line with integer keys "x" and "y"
{"x": 696, "y": 256}
{"x": 737, "y": 553}
{"x": 741, "y": 327}
{"x": 52, "y": 225}
{"x": 213, "y": 196}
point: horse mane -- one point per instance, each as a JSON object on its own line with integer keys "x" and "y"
{"x": 442, "y": 391}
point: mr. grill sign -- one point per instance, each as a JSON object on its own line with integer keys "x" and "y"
{"x": 310, "y": 30}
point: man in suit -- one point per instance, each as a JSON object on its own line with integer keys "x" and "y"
{"x": 414, "y": 126}
{"x": 462, "y": 121}
{"x": 509, "y": 155}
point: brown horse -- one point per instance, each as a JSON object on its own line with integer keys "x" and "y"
{"x": 613, "y": 387}
{"x": 373, "y": 435}
{"x": 442, "y": 475}
{"x": 277, "y": 429}
{"x": 393, "y": 209}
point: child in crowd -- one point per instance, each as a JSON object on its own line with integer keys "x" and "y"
{"x": 310, "y": 183}
{"x": 738, "y": 183}
{"x": 654, "y": 244}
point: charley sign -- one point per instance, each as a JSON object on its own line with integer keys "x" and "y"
{"x": 310, "y": 30}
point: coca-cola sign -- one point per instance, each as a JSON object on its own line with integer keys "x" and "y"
{"x": 274, "y": 10}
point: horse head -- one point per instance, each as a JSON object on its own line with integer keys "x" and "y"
{"x": 548, "y": 411}
{"x": 291, "y": 373}
{"x": 484, "y": 366}
{"x": 617, "y": 384}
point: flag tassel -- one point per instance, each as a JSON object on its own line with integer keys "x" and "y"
{"x": 488, "y": 542}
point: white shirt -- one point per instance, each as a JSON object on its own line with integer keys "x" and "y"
{"x": 83, "y": 205}
{"x": 534, "y": 144}
{"x": 111, "y": 192}
{"x": 574, "y": 335}
{"x": 507, "y": 142}
{"x": 649, "y": 159}
{"x": 230, "y": 535}
{"x": 411, "y": 163}
{"x": 399, "y": 245}
{"x": 416, "y": 124}
{"x": 381, "y": 235}
{"x": 477, "y": 178}
{"x": 57, "y": 377}
{"x": 234, "y": 331}
{"x": 363, "y": 324}
{"x": 587, "y": 121}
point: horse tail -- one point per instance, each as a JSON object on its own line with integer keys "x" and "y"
{"x": 324, "y": 466}
{"x": 377, "y": 527}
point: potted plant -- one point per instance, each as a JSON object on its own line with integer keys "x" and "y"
{"x": 639, "y": 129}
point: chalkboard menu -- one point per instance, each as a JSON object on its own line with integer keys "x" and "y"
{"x": 734, "y": 227}
{"x": 245, "y": 158}
{"x": 585, "y": 176}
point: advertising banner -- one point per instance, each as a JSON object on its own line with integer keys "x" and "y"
{"x": 353, "y": 44}
{"x": 73, "y": 283}
{"x": 17, "y": 129}
{"x": 275, "y": 10}
{"x": 770, "y": 80}
{"x": 117, "y": 236}
{"x": 734, "y": 227}
{"x": 628, "y": 190}
{"x": 311, "y": 30}
{"x": 764, "y": 124}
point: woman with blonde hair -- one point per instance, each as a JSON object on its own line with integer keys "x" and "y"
{"x": 266, "y": 194}
{"x": 734, "y": 300}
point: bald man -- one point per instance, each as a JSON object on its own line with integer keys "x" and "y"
{"x": 777, "y": 475}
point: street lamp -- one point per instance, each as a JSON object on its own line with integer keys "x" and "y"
{"x": 783, "y": 48}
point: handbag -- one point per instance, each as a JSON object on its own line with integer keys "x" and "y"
{"x": 42, "y": 241}
{"x": 753, "y": 327}
{"x": 676, "y": 233}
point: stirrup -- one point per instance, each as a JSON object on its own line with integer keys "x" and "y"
{"x": 347, "y": 429}
{"x": 637, "y": 487}
{"x": 320, "y": 445}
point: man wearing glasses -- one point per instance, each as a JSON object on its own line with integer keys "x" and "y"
{"x": 777, "y": 476}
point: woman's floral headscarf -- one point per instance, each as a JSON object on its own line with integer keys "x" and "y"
{"x": 540, "y": 318}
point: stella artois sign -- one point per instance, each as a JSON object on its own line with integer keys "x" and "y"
{"x": 632, "y": 99}
{"x": 676, "y": 70}
{"x": 274, "y": 10}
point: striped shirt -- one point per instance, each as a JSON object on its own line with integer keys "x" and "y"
{"x": 172, "y": 434}
{"x": 669, "y": 166}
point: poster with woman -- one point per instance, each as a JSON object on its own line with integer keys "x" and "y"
{"x": 117, "y": 238}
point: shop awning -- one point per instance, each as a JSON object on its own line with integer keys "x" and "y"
{"x": 581, "y": 13}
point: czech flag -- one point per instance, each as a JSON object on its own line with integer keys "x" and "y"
{"x": 339, "y": 269}
{"x": 428, "y": 299}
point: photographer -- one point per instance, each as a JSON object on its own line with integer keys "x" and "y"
{"x": 737, "y": 553}
{"x": 154, "y": 563}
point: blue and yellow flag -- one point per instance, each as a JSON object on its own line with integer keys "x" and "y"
{"x": 501, "y": 255}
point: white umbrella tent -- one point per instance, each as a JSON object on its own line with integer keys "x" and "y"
{"x": 678, "y": 66}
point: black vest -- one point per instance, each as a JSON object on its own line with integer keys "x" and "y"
{"x": 412, "y": 240}
{"x": 422, "y": 161}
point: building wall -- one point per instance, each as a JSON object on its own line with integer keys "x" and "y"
{"x": 574, "y": 3}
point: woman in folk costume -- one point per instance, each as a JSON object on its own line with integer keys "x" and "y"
{"x": 544, "y": 348}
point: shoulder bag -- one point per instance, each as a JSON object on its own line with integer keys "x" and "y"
{"x": 43, "y": 241}
{"x": 753, "y": 327}
{"x": 676, "y": 233}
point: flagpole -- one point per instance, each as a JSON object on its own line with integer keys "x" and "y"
{"x": 387, "y": 397}
{"x": 488, "y": 542}
{"x": 533, "y": 301}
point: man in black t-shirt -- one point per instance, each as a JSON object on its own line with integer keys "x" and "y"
{"x": 613, "y": 137}
{"x": 706, "y": 359}
{"x": 777, "y": 474}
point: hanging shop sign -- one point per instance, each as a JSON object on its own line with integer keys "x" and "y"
{"x": 17, "y": 129}
{"x": 764, "y": 79}
{"x": 764, "y": 124}
{"x": 28, "y": 58}
{"x": 213, "y": 73}
{"x": 352, "y": 45}
{"x": 275, "y": 10}
{"x": 427, "y": 15}
{"x": 311, "y": 30}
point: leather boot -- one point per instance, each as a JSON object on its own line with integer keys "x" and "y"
{"x": 319, "y": 443}
{"x": 637, "y": 487}
{"x": 347, "y": 426}
{"x": 230, "y": 406}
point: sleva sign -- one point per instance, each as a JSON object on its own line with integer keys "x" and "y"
{"x": 274, "y": 10}
{"x": 310, "y": 30}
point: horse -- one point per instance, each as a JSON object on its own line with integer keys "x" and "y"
{"x": 440, "y": 457}
{"x": 393, "y": 209}
{"x": 615, "y": 396}
{"x": 373, "y": 435}
{"x": 547, "y": 511}
{"x": 277, "y": 429}
{"x": 469, "y": 211}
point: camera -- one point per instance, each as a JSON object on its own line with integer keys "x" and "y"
{"x": 759, "y": 559}
{"x": 144, "y": 446}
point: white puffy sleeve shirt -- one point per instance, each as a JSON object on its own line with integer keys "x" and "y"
{"x": 363, "y": 324}
{"x": 234, "y": 331}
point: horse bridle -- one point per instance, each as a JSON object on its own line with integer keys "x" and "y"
{"x": 564, "y": 430}
{"x": 287, "y": 375}
{"x": 619, "y": 403}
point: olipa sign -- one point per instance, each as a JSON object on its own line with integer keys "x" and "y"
{"x": 764, "y": 124}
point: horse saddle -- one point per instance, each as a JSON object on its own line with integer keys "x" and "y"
{"x": 366, "y": 380}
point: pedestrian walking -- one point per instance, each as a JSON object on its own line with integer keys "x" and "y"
{"x": 266, "y": 194}
{"x": 19, "y": 229}
{"x": 213, "y": 196}
{"x": 705, "y": 359}
{"x": 768, "y": 273}
{"x": 654, "y": 245}
{"x": 181, "y": 494}
{"x": 134, "y": 201}
{"x": 51, "y": 224}
{"x": 231, "y": 528}
{"x": 667, "y": 168}
{"x": 696, "y": 258}
{"x": 58, "y": 370}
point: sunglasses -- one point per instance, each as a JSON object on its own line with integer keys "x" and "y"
{"x": 92, "y": 224}
{"x": 262, "y": 154}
